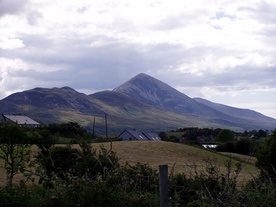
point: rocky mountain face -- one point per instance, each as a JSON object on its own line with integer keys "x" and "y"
{"x": 143, "y": 102}
{"x": 158, "y": 94}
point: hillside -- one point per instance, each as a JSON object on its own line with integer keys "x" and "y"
{"x": 239, "y": 113}
{"x": 179, "y": 157}
{"x": 143, "y": 103}
{"x": 158, "y": 94}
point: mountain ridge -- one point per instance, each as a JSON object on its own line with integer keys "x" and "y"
{"x": 168, "y": 97}
{"x": 142, "y": 102}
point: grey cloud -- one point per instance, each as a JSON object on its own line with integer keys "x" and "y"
{"x": 11, "y": 6}
{"x": 82, "y": 9}
{"x": 266, "y": 12}
{"x": 172, "y": 22}
{"x": 239, "y": 78}
{"x": 33, "y": 17}
{"x": 105, "y": 66}
{"x": 262, "y": 11}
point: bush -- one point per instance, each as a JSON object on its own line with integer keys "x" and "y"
{"x": 266, "y": 157}
{"x": 225, "y": 135}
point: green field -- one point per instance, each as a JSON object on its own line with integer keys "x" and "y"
{"x": 179, "y": 157}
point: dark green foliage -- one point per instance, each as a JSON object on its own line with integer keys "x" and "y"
{"x": 211, "y": 188}
{"x": 260, "y": 192}
{"x": 138, "y": 186}
{"x": 69, "y": 130}
{"x": 13, "y": 134}
{"x": 225, "y": 135}
{"x": 254, "y": 134}
{"x": 173, "y": 139}
{"x": 191, "y": 135}
{"x": 227, "y": 147}
{"x": 243, "y": 146}
{"x": 266, "y": 157}
{"x": 163, "y": 136}
{"x": 67, "y": 163}
{"x": 14, "y": 150}
{"x": 206, "y": 132}
{"x": 140, "y": 177}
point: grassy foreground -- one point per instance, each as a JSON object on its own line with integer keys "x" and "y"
{"x": 179, "y": 157}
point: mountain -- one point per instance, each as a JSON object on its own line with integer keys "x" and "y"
{"x": 158, "y": 94}
{"x": 47, "y": 105}
{"x": 143, "y": 102}
{"x": 239, "y": 113}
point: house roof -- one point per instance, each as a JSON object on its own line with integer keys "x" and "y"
{"x": 137, "y": 134}
{"x": 141, "y": 135}
{"x": 152, "y": 136}
{"x": 21, "y": 119}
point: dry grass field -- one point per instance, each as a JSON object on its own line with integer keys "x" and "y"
{"x": 243, "y": 158}
{"x": 179, "y": 157}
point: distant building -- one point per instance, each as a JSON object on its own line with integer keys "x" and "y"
{"x": 152, "y": 136}
{"x": 21, "y": 120}
{"x": 128, "y": 135}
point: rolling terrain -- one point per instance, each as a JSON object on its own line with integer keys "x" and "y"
{"x": 179, "y": 157}
{"x": 143, "y": 103}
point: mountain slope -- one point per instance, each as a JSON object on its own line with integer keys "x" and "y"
{"x": 126, "y": 112}
{"x": 65, "y": 104}
{"x": 49, "y": 105}
{"x": 143, "y": 102}
{"x": 55, "y": 98}
{"x": 150, "y": 90}
{"x": 246, "y": 114}
{"x": 156, "y": 93}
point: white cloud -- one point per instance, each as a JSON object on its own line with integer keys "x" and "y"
{"x": 205, "y": 48}
{"x": 10, "y": 43}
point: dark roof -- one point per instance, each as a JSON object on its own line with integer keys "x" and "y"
{"x": 152, "y": 136}
{"x": 137, "y": 135}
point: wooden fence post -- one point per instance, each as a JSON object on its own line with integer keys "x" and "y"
{"x": 164, "y": 185}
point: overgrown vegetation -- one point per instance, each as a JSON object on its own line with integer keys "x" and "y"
{"x": 266, "y": 157}
{"x": 83, "y": 176}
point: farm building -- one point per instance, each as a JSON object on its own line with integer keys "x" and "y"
{"x": 127, "y": 135}
{"x": 21, "y": 120}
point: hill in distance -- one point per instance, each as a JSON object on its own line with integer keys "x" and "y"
{"x": 143, "y": 103}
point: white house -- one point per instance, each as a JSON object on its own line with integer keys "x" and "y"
{"x": 21, "y": 120}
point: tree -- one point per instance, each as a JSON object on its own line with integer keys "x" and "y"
{"x": 45, "y": 142}
{"x": 266, "y": 157}
{"x": 14, "y": 150}
{"x": 70, "y": 130}
{"x": 163, "y": 136}
{"x": 225, "y": 135}
{"x": 68, "y": 163}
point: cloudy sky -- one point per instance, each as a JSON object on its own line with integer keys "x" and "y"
{"x": 223, "y": 51}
